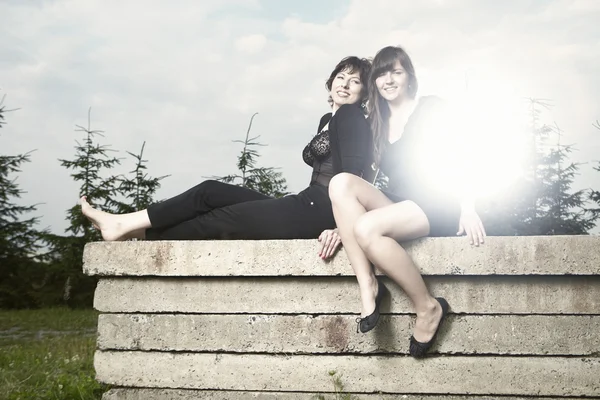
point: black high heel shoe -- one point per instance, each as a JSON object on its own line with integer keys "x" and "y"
{"x": 370, "y": 321}
{"x": 418, "y": 349}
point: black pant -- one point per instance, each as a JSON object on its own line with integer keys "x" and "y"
{"x": 216, "y": 210}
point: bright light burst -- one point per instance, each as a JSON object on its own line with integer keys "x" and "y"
{"x": 483, "y": 145}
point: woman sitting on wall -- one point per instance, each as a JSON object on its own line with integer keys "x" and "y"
{"x": 408, "y": 145}
{"x": 216, "y": 210}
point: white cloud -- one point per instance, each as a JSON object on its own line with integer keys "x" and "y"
{"x": 251, "y": 44}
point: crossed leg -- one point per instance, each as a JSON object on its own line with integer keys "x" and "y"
{"x": 371, "y": 226}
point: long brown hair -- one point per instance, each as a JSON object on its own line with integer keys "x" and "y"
{"x": 379, "y": 111}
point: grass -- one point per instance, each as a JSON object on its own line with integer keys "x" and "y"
{"x": 58, "y": 319}
{"x": 48, "y": 354}
{"x": 338, "y": 387}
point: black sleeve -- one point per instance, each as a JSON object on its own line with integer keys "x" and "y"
{"x": 351, "y": 141}
{"x": 324, "y": 120}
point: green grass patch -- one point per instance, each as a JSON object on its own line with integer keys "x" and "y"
{"x": 55, "y": 319}
{"x": 48, "y": 354}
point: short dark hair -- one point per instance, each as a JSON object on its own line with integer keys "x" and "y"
{"x": 353, "y": 64}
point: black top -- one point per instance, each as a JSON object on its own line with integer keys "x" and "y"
{"x": 408, "y": 161}
{"x": 346, "y": 146}
{"x": 420, "y": 165}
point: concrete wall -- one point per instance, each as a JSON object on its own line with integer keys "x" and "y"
{"x": 270, "y": 320}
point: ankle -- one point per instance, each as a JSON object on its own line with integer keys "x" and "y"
{"x": 369, "y": 281}
{"x": 427, "y": 308}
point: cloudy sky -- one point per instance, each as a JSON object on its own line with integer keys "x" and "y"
{"x": 185, "y": 76}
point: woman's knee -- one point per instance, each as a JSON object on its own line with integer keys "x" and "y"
{"x": 366, "y": 230}
{"x": 210, "y": 186}
{"x": 342, "y": 186}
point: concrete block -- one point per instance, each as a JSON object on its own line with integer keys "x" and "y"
{"x": 326, "y": 295}
{"x": 517, "y": 376}
{"x": 520, "y": 255}
{"x": 189, "y": 394}
{"x": 460, "y": 334}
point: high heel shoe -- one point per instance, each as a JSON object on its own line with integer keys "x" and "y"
{"x": 418, "y": 349}
{"x": 370, "y": 321}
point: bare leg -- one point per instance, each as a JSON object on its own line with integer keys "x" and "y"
{"x": 378, "y": 232}
{"x": 351, "y": 198}
{"x": 116, "y": 227}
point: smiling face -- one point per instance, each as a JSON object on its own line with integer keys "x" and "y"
{"x": 346, "y": 88}
{"x": 393, "y": 85}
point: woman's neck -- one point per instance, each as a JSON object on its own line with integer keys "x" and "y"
{"x": 402, "y": 109}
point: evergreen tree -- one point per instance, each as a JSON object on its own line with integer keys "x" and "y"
{"x": 91, "y": 159}
{"x": 542, "y": 202}
{"x": 594, "y": 195}
{"x": 19, "y": 239}
{"x": 91, "y": 162}
{"x": 562, "y": 212}
{"x": 139, "y": 189}
{"x": 268, "y": 181}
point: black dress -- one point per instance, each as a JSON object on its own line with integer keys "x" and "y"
{"x": 415, "y": 172}
{"x": 216, "y": 210}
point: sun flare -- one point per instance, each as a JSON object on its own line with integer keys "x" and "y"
{"x": 482, "y": 147}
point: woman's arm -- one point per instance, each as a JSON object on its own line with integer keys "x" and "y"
{"x": 351, "y": 140}
{"x": 469, "y": 223}
{"x": 351, "y": 146}
{"x": 330, "y": 242}
{"x": 449, "y": 139}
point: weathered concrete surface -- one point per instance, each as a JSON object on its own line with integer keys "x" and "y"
{"x": 507, "y": 334}
{"x": 522, "y": 255}
{"x": 190, "y": 394}
{"x": 323, "y": 295}
{"x": 540, "y": 376}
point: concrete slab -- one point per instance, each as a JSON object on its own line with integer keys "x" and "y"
{"x": 518, "y": 376}
{"x": 521, "y": 255}
{"x": 466, "y": 334}
{"x": 324, "y": 295}
{"x": 189, "y": 394}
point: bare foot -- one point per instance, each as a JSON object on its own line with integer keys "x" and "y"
{"x": 109, "y": 225}
{"x": 428, "y": 322}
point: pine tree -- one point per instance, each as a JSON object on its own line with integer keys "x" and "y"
{"x": 17, "y": 235}
{"x": 594, "y": 195}
{"x": 526, "y": 199}
{"x": 562, "y": 212}
{"x": 268, "y": 180}
{"x": 19, "y": 239}
{"x": 91, "y": 162}
{"x": 139, "y": 189}
{"x": 542, "y": 202}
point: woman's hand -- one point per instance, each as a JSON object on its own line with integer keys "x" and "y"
{"x": 470, "y": 225}
{"x": 330, "y": 241}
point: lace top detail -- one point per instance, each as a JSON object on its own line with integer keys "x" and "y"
{"x": 343, "y": 144}
{"x": 318, "y": 148}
